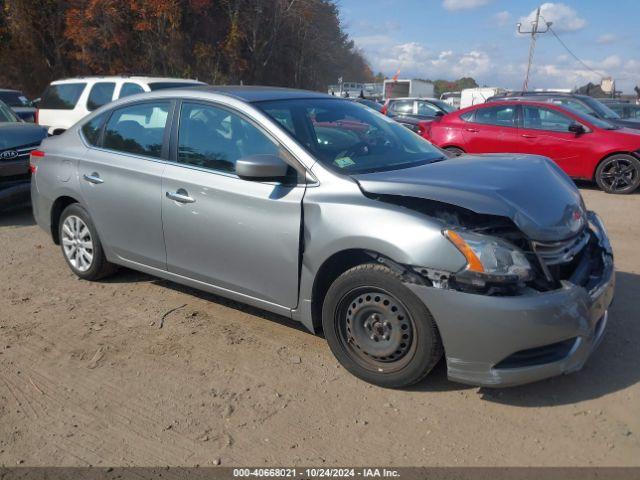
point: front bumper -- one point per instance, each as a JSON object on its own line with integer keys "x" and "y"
{"x": 480, "y": 332}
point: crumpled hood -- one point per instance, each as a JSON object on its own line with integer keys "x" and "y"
{"x": 530, "y": 190}
{"x": 19, "y": 134}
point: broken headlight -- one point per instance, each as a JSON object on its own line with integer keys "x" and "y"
{"x": 489, "y": 259}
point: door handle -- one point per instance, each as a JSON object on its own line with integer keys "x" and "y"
{"x": 472, "y": 130}
{"x": 93, "y": 178}
{"x": 180, "y": 196}
{"x": 526, "y": 135}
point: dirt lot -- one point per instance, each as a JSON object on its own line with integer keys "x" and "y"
{"x": 88, "y": 377}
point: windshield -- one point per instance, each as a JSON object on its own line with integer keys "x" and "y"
{"x": 598, "y": 122}
{"x": 601, "y": 109}
{"x": 444, "y": 106}
{"x": 14, "y": 99}
{"x": 6, "y": 114}
{"x": 350, "y": 138}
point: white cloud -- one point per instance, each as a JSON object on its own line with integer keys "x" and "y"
{"x": 606, "y": 39}
{"x": 453, "y": 5}
{"x": 564, "y": 18}
{"x": 502, "y": 18}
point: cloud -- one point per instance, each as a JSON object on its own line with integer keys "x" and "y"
{"x": 453, "y": 5}
{"x": 564, "y": 18}
{"x": 606, "y": 39}
{"x": 502, "y": 18}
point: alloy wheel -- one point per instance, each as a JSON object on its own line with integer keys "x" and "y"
{"x": 77, "y": 243}
{"x": 619, "y": 174}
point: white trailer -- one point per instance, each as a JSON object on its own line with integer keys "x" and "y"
{"x": 407, "y": 88}
{"x": 474, "y": 96}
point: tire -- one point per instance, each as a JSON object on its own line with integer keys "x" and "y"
{"x": 378, "y": 329}
{"x": 455, "y": 151}
{"x": 618, "y": 174}
{"x": 80, "y": 244}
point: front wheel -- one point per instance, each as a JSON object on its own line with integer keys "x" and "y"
{"x": 619, "y": 174}
{"x": 378, "y": 329}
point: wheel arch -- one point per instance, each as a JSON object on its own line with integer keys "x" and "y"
{"x": 57, "y": 208}
{"x": 609, "y": 155}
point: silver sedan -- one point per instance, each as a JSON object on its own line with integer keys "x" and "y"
{"x": 324, "y": 211}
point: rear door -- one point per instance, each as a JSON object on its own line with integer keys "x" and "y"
{"x": 121, "y": 181}
{"x": 238, "y": 235}
{"x": 492, "y": 129}
{"x": 545, "y": 131}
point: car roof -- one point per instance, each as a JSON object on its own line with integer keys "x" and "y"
{"x": 138, "y": 78}
{"x": 413, "y": 98}
{"x": 261, "y": 93}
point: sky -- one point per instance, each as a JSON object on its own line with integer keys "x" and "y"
{"x": 454, "y": 38}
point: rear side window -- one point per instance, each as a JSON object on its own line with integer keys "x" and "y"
{"x": 403, "y": 106}
{"x": 130, "y": 89}
{"x": 92, "y": 129}
{"x": 503, "y": 116}
{"x": 100, "y": 94}
{"x": 138, "y": 129}
{"x": 62, "y": 97}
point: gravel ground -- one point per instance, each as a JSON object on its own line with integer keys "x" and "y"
{"x": 87, "y": 377}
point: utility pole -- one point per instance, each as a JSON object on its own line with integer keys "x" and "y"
{"x": 535, "y": 29}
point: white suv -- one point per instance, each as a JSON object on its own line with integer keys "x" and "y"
{"x": 64, "y": 102}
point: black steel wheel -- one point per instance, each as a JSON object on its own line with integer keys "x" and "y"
{"x": 618, "y": 174}
{"x": 378, "y": 329}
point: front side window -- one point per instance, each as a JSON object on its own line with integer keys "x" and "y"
{"x": 62, "y": 97}
{"x": 101, "y": 93}
{"x": 215, "y": 138}
{"x": 130, "y": 89}
{"x": 538, "y": 118}
{"x": 426, "y": 108}
{"x": 502, "y": 116}
{"x": 350, "y": 139}
{"x": 92, "y": 129}
{"x": 138, "y": 129}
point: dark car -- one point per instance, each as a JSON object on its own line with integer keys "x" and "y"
{"x": 370, "y": 103}
{"x": 582, "y": 103}
{"x": 420, "y": 108}
{"x": 626, "y": 110}
{"x": 17, "y": 140}
{"x": 20, "y": 104}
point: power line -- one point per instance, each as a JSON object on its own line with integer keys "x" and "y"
{"x": 600, "y": 74}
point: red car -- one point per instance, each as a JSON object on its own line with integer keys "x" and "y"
{"x": 585, "y": 147}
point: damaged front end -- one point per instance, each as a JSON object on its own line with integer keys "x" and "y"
{"x": 503, "y": 261}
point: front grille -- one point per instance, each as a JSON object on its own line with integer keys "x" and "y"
{"x": 556, "y": 253}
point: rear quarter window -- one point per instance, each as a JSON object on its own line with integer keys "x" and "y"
{"x": 62, "y": 97}
{"x": 92, "y": 129}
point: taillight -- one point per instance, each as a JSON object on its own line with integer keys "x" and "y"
{"x": 424, "y": 128}
{"x": 36, "y": 115}
{"x": 32, "y": 165}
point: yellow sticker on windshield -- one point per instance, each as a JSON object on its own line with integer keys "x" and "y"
{"x": 343, "y": 162}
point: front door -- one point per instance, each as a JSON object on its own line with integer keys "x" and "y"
{"x": 235, "y": 234}
{"x": 121, "y": 182}
{"x": 545, "y": 131}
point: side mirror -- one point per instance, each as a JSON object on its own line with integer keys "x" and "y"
{"x": 439, "y": 114}
{"x": 262, "y": 168}
{"x": 577, "y": 128}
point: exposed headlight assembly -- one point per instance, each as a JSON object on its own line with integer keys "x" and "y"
{"x": 489, "y": 259}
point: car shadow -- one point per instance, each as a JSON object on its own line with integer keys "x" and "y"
{"x": 614, "y": 366}
{"x": 17, "y": 217}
